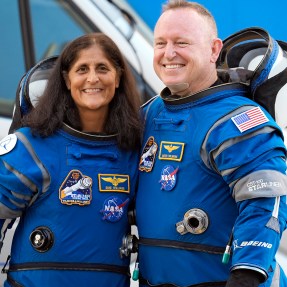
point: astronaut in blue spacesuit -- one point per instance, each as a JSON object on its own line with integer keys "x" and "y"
{"x": 70, "y": 172}
{"x": 211, "y": 200}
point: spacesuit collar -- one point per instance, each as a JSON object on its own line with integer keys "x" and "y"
{"x": 83, "y": 135}
{"x": 218, "y": 86}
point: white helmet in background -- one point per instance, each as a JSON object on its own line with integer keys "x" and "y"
{"x": 265, "y": 59}
{"x": 30, "y": 88}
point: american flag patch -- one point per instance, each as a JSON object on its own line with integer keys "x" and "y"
{"x": 249, "y": 119}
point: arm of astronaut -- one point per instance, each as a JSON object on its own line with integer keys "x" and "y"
{"x": 12, "y": 203}
{"x": 16, "y": 193}
{"x": 23, "y": 177}
{"x": 257, "y": 234}
{"x": 261, "y": 201}
{"x": 258, "y": 183}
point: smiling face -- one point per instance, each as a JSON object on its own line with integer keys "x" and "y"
{"x": 92, "y": 80}
{"x": 185, "y": 51}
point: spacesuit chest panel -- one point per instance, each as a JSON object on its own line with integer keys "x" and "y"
{"x": 82, "y": 199}
{"x": 178, "y": 179}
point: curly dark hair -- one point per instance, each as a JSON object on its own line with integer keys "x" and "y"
{"x": 56, "y": 105}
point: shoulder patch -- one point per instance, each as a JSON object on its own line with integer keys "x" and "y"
{"x": 249, "y": 119}
{"x": 8, "y": 143}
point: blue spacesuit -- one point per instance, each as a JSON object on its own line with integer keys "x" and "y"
{"x": 212, "y": 184}
{"x": 72, "y": 201}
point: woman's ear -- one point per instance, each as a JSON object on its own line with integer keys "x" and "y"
{"x": 67, "y": 81}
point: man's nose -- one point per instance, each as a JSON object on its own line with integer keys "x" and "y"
{"x": 170, "y": 51}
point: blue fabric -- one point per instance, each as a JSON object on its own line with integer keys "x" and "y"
{"x": 84, "y": 232}
{"x": 215, "y": 156}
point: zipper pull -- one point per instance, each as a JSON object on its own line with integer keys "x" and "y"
{"x": 135, "y": 276}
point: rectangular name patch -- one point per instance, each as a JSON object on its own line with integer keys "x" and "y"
{"x": 114, "y": 183}
{"x": 171, "y": 150}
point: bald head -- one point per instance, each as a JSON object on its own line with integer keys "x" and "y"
{"x": 198, "y": 8}
{"x": 186, "y": 47}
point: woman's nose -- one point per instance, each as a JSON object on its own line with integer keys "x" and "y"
{"x": 92, "y": 76}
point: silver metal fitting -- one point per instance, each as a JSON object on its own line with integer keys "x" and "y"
{"x": 195, "y": 221}
{"x": 129, "y": 245}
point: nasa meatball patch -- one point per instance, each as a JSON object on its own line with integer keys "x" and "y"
{"x": 113, "y": 208}
{"x": 168, "y": 177}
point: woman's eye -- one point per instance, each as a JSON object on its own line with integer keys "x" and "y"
{"x": 82, "y": 69}
{"x": 102, "y": 68}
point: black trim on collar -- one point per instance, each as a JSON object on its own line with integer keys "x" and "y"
{"x": 87, "y": 136}
{"x": 178, "y": 100}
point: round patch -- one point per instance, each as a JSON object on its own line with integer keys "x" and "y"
{"x": 113, "y": 208}
{"x": 7, "y": 144}
{"x": 168, "y": 177}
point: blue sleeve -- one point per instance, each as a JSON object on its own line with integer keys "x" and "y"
{"x": 257, "y": 233}
{"x": 21, "y": 179}
{"x": 253, "y": 164}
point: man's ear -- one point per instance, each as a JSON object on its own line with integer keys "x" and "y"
{"x": 216, "y": 48}
{"x": 67, "y": 81}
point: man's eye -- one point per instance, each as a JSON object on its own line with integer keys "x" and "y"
{"x": 182, "y": 44}
{"x": 159, "y": 44}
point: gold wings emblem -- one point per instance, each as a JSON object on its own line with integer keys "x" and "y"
{"x": 113, "y": 180}
{"x": 171, "y": 147}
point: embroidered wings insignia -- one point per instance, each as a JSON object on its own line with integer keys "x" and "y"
{"x": 171, "y": 148}
{"x": 113, "y": 180}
